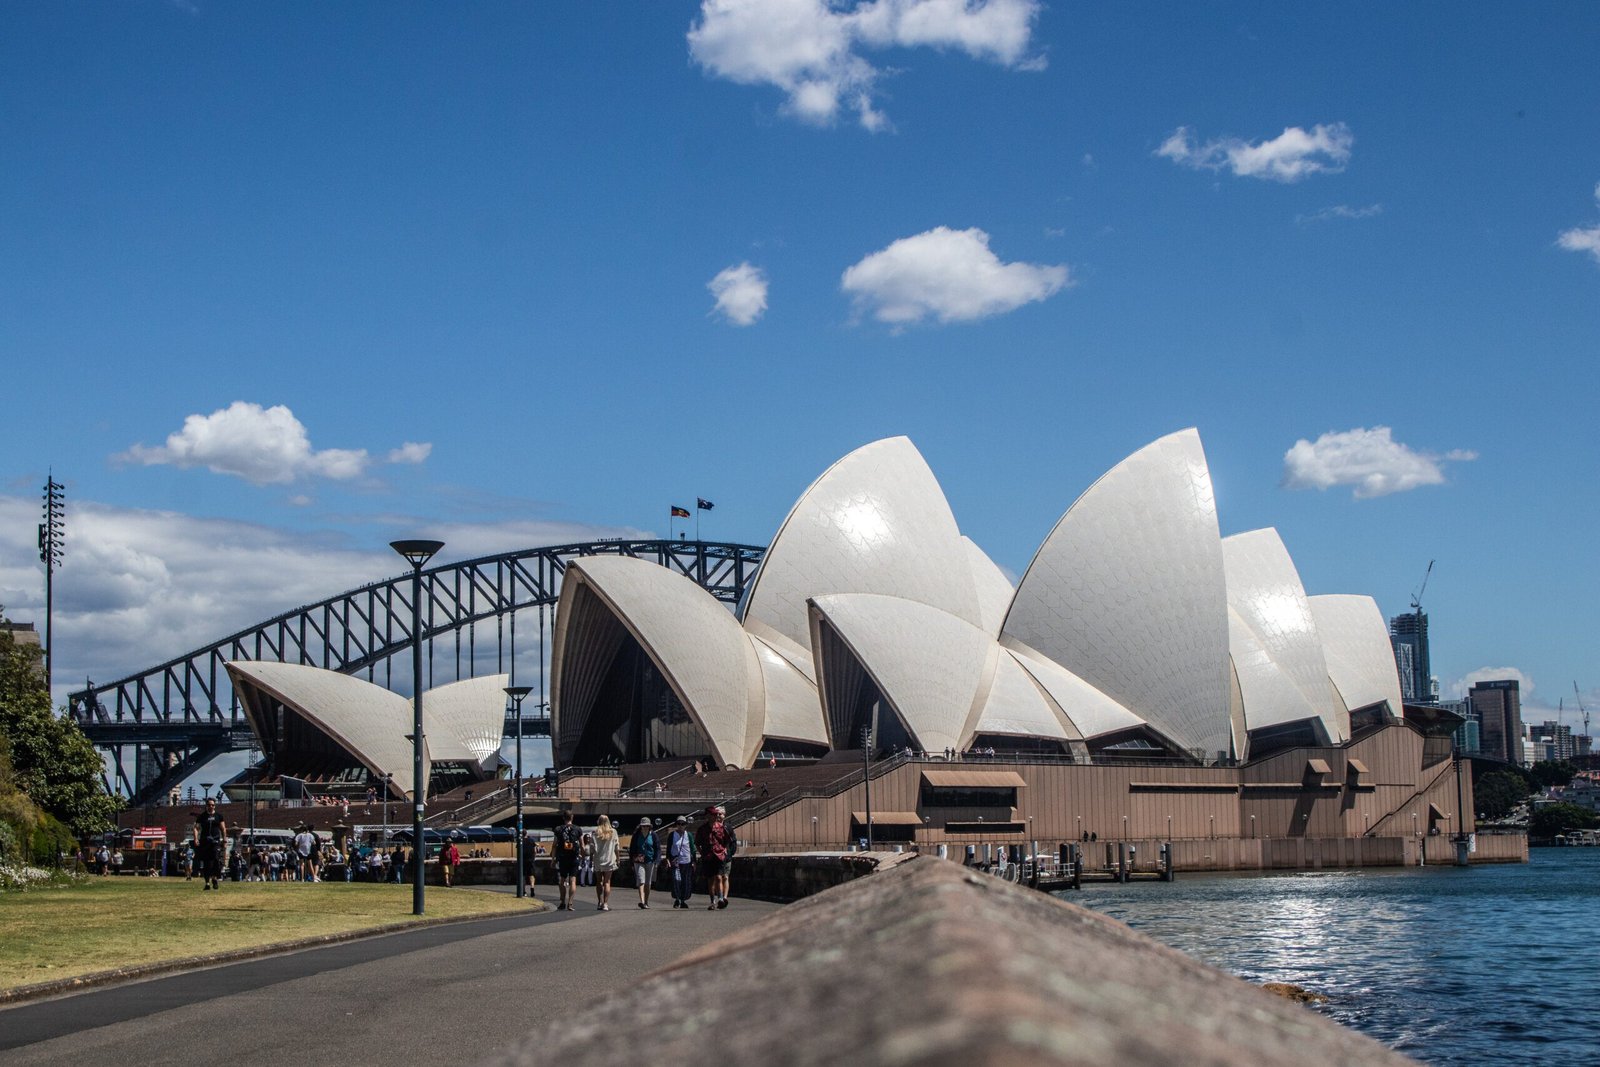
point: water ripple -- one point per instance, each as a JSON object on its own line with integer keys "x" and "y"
{"x": 1447, "y": 965}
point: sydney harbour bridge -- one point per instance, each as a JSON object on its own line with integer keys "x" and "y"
{"x": 174, "y": 717}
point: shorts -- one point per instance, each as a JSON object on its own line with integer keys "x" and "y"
{"x": 712, "y": 867}
{"x": 644, "y": 873}
{"x": 567, "y": 868}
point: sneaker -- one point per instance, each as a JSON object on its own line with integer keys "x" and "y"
{"x": 643, "y": 905}
{"x": 722, "y": 902}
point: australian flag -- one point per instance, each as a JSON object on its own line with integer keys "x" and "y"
{"x": 703, "y": 504}
{"x": 679, "y": 513}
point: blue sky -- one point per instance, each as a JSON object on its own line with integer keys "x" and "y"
{"x": 470, "y": 250}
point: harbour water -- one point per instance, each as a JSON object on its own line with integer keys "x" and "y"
{"x": 1448, "y": 965}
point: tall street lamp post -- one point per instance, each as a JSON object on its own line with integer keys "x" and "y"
{"x": 417, "y": 553}
{"x": 517, "y": 693}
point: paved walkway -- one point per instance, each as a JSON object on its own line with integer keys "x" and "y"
{"x": 454, "y": 993}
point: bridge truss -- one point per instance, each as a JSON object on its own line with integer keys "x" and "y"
{"x": 178, "y": 715}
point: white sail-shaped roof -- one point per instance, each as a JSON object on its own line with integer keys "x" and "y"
{"x": 1016, "y": 704}
{"x": 875, "y": 522}
{"x": 1128, "y": 593}
{"x": 926, "y": 662}
{"x": 1264, "y": 589}
{"x": 690, "y": 636}
{"x": 1270, "y": 696}
{"x": 367, "y": 720}
{"x": 465, "y": 720}
{"x": 994, "y": 589}
{"x": 1091, "y": 713}
{"x": 793, "y": 708}
{"x": 1355, "y": 641}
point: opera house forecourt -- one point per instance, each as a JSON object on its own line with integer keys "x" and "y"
{"x": 1147, "y": 679}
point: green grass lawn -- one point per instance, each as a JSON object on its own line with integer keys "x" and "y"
{"x": 107, "y": 923}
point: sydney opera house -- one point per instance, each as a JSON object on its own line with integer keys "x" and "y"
{"x": 1146, "y": 679}
{"x": 1137, "y": 629}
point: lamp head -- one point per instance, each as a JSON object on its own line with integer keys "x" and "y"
{"x": 417, "y": 553}
{"x": 517, "y": 692}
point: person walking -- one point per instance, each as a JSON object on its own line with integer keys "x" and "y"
{"x": 449, "y": 859}
{"x": 210, "y": 838}
{"x": 606, "y": 843}
{"x": 305, "y": 846}
{"x": 714, "y": 841}
{"x": 680, "y": 855}
{"x": 643, "y": 852}
{"x": 530, "y": 856}
{"x": 566, "y": 847}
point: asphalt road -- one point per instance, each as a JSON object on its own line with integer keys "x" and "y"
{"x": 455, "y": 993}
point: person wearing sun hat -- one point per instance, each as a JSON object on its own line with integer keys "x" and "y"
{"x": 643, "y": 851}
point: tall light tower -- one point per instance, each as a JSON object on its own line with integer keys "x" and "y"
{"x": 417, "y": 553}
{"x": 517, "y": 693}
{"x": 52, "y": 534}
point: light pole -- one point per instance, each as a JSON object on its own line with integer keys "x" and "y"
{"x": 813, "y": 831}
{"x": 52, "y": 535}
{"x": 417, "y": 553}
{"x": 388, "y": 781}
{"x": 207, "y": 787}
{"x": 517, "y": 693}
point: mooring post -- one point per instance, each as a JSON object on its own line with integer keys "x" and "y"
{"x": 1122, "y": 861}
{"x": 1077, "y": 867}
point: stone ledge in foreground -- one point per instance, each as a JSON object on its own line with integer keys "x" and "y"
{"x": 926, "y": 962}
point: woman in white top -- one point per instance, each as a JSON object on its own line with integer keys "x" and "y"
{"x": 605, "y": 861}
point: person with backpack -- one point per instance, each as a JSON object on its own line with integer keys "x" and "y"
{"x": 567, "y": 846}
{"x": 716, "y": 845}
{"x": 680, "y": 857}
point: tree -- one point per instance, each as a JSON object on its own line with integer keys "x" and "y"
{"x": 51, "y": 759}
{"x": 1547, "y": 773}
{"x": 1552, "y": 819}
{"x": 1498, "y": 793}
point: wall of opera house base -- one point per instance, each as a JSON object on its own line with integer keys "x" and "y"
{"x": 1376, "y": 786}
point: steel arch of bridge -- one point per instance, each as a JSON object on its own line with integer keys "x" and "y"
{"x": 187, "y": 703}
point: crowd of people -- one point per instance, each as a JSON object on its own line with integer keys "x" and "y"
{"x": 671, "y": 853}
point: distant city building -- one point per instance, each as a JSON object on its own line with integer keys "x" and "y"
{"x": 1498, "y": 705}
{"x": 1467, "y": 736}
{"x": 26, "y": 636}
{"x": 1552, "y": 741}
{"x": 1408, "y": 634}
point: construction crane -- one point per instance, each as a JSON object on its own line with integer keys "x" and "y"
{"x": 1581, "y": 709}
{"x": 1416, "y": 598}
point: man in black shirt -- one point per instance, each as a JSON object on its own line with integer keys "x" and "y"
{"x": 210, "y": 835}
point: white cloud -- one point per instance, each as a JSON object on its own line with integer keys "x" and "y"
{"x": 261, "y": 445}
{"x": 809, "y": 48}
{"x": 410, "y": 452}
{"x": 1288, "y": 157}
{"x": 741, "y": 293}
{"x": 1371, "y": 460}
{"x": 950, "y": 275}
{"x": 1583, "y": 239}
{"x": 138, "y": 586}
{"x": 1525, "y": 684}
{"x": 1340, "y": 211}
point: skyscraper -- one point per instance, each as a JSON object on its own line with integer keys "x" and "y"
{"x": 1408, "y": 634}
{"x": 1499, "y": 708}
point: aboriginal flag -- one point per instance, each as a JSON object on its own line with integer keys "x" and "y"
{"x": 679, "y": 513}
{"x": 703, "y": 504}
